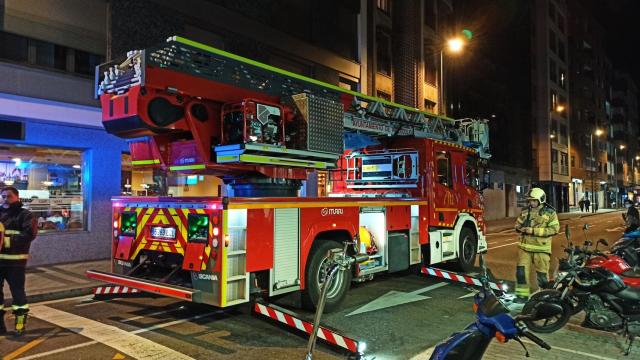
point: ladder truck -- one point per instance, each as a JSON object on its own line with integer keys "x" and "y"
{"x": 404, "y": 184}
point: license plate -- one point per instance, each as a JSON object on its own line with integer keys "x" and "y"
{"x": 160, "y": 232}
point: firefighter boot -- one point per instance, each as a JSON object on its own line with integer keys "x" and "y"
{"x": 21, "y": 321}
{"x": 3, "y": 328}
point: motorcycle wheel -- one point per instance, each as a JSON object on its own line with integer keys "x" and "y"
{"x": 550, "y": 324}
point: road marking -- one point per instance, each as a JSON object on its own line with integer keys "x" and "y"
{"x": 496, "y": 247}
{"x": 123, "y": 341}
{"x": 472, "y": 293}
{"x": 395, "y": 298}
{"x": 78, "y": 298}
{"x": 152, "y": 314}
{"x": 616, "y": 229}
{"x": 30, "y": 345}
{"x": 553, "y": 347}
{"x": 139, "y": 331}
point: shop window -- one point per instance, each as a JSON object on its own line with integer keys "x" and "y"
{"x": 50, "y": 184}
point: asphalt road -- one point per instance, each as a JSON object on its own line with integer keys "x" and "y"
{"x": 398, "y": 316}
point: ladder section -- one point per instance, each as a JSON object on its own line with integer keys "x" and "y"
{"x": 237, "y": 278}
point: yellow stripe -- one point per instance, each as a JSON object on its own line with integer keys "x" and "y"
{"x": 14, "y": 257}
{"x": 286, "y": 205}
{"x": 12, "y": 232}
{"x": 223, "y": 261}
{"x": 7, "y": 242}
{"x": 446, "y": 209}
{"x": 30, "y": 345}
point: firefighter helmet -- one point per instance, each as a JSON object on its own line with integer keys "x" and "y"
{"x": 537, "y": 194}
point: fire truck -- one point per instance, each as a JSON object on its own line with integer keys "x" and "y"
{"x": 405, "y": 185}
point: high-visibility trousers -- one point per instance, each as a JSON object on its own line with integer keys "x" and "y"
{"x": 540, "y": 261}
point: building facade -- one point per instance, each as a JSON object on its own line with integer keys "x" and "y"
{"x": 52, "y": 145}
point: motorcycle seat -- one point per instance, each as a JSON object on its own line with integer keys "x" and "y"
{"x": 631, "y": 274}
{"x": 629, "y": 293}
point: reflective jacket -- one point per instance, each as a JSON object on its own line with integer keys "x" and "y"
{"x": 544, "y": 222}
{"x": 20, "y": 228}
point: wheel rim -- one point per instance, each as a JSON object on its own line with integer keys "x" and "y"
{"x": 467, "y": 249}
{"x": 335, "y": 286}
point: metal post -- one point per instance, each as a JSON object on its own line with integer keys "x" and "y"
{"x": 593, "y": 195}
{"x": 331, "y": 273}
{"x": 441, "y": 107}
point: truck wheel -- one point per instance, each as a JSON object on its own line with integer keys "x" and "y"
{"x": 314, "y": 278}
{"x": 468, "y": 250}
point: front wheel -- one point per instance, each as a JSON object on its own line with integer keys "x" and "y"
{"x": 315, "y": 275}
{"x": 552, "y": 322}
{"x": 468, "y": 250}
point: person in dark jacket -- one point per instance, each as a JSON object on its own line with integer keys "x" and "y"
{"x": 19, "y": 228}
{"x": 631, "y": 218}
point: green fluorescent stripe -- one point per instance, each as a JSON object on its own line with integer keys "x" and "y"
{"x": 145, "y": 162}
{"x": 12, "y": 232}
{"x": 297, "y": 76}
{"x": 276, "y": 161}
{"x": 187, "y": 167}
{"x": 14, "y": 257}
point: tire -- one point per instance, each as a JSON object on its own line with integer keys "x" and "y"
{"x": 550, "y": 324}
{"x": 468, "y": 250}
{"x": 313, "y": 279}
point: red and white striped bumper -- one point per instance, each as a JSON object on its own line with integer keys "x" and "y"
{"x": 457, "y": 277}
{"x": 325, "y": 334}
{"x": 114, "y": 290}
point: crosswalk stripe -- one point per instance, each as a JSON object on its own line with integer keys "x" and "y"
{"x": 130, "y": 344}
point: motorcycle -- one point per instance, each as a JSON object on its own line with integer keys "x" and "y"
{"x": 493, "y": 321}
{"x": 609, "y": 303}
{"x": 628, "y": 248}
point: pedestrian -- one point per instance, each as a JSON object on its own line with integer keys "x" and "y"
{"x": 631, "y": 218}
{"x": 20, "y": 228}
{"x": 537, "y": 224}
{"x": 581, "y": 203}
{"x": 587, "y": 204}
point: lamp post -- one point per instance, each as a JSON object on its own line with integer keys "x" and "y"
{"x": 597, "y": 132}
{"x": 552, "y": 135}
{"x": 615, "y": 172}
{"x": 454, "y": 45}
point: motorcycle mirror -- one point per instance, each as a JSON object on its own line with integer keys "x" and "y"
{"x": 603, "y": 242}
{"x": 587, "y": 243}
{"x": 585, "y": 227}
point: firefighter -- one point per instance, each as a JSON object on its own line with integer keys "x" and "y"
{"x": 20, "y": 228}
{"x": 537, "y": 224}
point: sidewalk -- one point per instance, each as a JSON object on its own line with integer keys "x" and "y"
{"x": 494, "y": 226}
{"x": 59, "y": 281}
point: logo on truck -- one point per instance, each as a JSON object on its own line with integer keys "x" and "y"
{"x": 331, "y": 211}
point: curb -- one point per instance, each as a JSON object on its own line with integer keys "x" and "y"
{"x": 32, "y": 299}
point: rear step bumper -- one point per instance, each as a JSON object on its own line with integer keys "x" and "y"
{"x": 177, "y": 292}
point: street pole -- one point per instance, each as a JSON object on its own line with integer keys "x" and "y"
{"x": 441, "y": 108}
{"x": 593, "y": 196}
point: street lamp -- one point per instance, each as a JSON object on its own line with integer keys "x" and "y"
{"x": 615, "y": 168}
{"x": 454, "y": 46}
{"x": 598, "y": 133}
{"x": 552, "y": 135}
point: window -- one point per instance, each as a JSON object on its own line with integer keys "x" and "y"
{"x": 443, "y": 163}
{"x": 471, "y": 172}
{"x": 562, "y": 78}
{"x": 553, "y": 71}
{"x": 552, "y": 11}
{"x": 552, "y": 40}
{"x": 383, "y": 95}
{"x": 86, "y": 63}
{"x": 430, "y": 13}
{"x": 384, "y": 5}
{"x": 564, "y": 163}
{"x": 383, "y": 52}
{"x": 561, "y": 53}
{"x": 560, "y": 22}
{"x": 430, "y": 69}
{"x": 50, "y": 184}
{"x": 347, "y": 84}
{"x": 564, "y": 139}
{"x": 553, "y": 101}
{"x": 14, "y": 47}
{"x": 573, "y": 161}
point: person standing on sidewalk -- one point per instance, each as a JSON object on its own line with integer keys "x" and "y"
{"x": 587, "y": 204}
{"x": 537, "y": 224}
{"x": 631, "y": 218}
{"x": 20, "y": 228}
{"x": 581, "y": 204}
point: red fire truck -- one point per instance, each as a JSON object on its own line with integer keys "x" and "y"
{"x": 404, "y": 184}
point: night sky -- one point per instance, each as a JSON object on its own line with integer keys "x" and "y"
{"x": 621, "y": 19}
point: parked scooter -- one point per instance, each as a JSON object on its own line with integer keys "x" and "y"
{"x": 493, "y": 321}
{"x": 610, "y": 305}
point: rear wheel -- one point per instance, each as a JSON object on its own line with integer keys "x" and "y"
{"x": 315, "y": 275}
{"x": 468, "y": 249}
